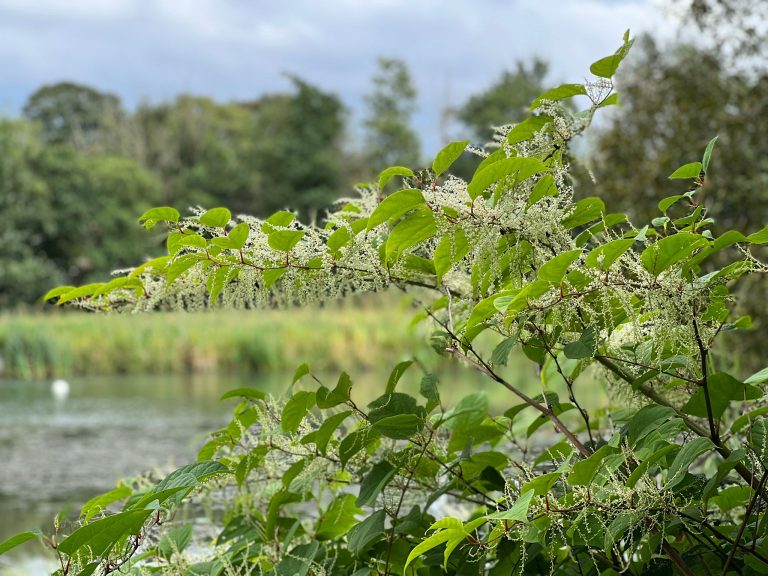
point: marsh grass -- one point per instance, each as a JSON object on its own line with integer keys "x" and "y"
{"x": 371, "y": 334}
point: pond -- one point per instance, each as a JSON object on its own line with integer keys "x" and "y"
{"x": 57, "y": 453}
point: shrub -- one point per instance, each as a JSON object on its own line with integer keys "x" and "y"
{"x": 670, "y": 477}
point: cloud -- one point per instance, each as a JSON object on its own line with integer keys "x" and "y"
{"x": 237, "y": 49}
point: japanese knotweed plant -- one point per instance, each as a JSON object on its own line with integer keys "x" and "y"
{"x": 671, "y": 479}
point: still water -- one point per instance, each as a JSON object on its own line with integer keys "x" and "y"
{"x": 57, "y": 453}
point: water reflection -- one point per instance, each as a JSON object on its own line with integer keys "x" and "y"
{"x": 55, "y": 453}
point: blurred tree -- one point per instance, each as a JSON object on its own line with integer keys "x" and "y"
{"x": 203, "y": 151}
{"x": 297, "y": 150}
{"x": 72, "y": 113}
{"x": 58, "y": 206}
{"x": 28, "y": 217}
{"x": 507, "y": 101}
{"x": 389, "y": 138}
{"x": 737, "y": 29}
{"x": 673, "y": 101}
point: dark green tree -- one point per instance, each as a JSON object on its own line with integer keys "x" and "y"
{"x": 507, "y": 100}
{"x": 389, "y": 138}
{"x": 72, "y": 113}
{"x": 203, "y": 151}
{"x": 673, "y": 101}
{"x": 297, "y": 150}
{"x": 64, "y": 214}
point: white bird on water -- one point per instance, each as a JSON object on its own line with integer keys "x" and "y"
{"x": 60, "y": 389}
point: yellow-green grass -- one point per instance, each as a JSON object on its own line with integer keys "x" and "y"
{"x": 371, "y": 335}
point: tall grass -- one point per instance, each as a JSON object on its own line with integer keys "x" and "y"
{"x": 363, "y": 336}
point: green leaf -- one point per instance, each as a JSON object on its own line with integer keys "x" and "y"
{"x": 686, "y": 171}
{"x": 100, "y": 536}
{"x": 450, "y": 250}
{"x": 759, "y": 439}
{"x": 606, "y": 67}
{"x": 723, "y": 389}
{"x": 610, "y": 100}
{"x": 542, "y": 484}
{"x": 246, "y": 392}
{"x": 428, "y": 389}
{"x": 544, "y": 187}
{"x": 339, "y": 395}
{"x": 180, "y": 265}
{"x": 434, "y": 541}
{"x": 605, "y": 255}
{"x": 742, "y": 421}
{"x": 238, "y": 236}
{"x": 641, "y": 470}
{"x": 645, "y": 420}
{"x": 527, "y": 128}
{"x": 396, "y": 374}
{"x": 298, "y": 561}
{"x": 398, "y": 427}
{"x": 447, "y": 156}
{"x": 688, "y": 453}
{"x": 512, "y": 306}
{"x": 760, "y": 237}
{"x": 284, "y": 240}
{"x": 323, "y": 435}
{"x": 374, "y": 482}
{"x": 519, "y": 169}
{"x": 395, "y": 205}
{"x": 216, "y": 218}
{"x": 418, "y": 226}
{"x": 58, "y": 291}
{"x": 554, "y": 270}
{"x": 217, "y": 281}
{"x": 160, "y": 214}
{"x": 391, "y": 172}
{"x": 301, "y": 371}
{"x": 296, "y": 409}
{"x": 758, "y": 377}
{"x": 179, "y": 483}
{"x": 584, "y": 347}
{"x": 175, "y": 540}
{"x": 501, "y": 351}
{"x": 353, "y": 443}
{"x": 732, "y": 497}
{"x": 584, "y": 471}
{"x": 365, "y": 534}
{"x": 99, "y": 503}
{"x": 560, "y": 93}
{"x": 519, "y": 510}
{"x": 584, "y": 212}
{"x": 670, "y": 250}
{"x": 708, "y": 154}
{"x": 338, "y": 518}
{"x": 80, "y": 292}
{"x": 281, "y": 219}
{"x": 468, "y": 413}
{"x": 18, "y": 540}
{"x": 665, "y": 203}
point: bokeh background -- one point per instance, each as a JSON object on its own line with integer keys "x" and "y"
{"x": 109, "y": 108}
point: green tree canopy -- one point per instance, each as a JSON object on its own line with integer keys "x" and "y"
{"x": 73, "y": 113}
{"x": 507, "y": 100}
{"x": 64, "y": 213}
{"x": 297, "y": 149}
{"x": 389, "y": 138}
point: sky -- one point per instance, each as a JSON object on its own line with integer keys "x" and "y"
{"x": 152, "y": 50}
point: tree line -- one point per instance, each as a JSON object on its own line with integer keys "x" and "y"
{"x": 77, "y": 166}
